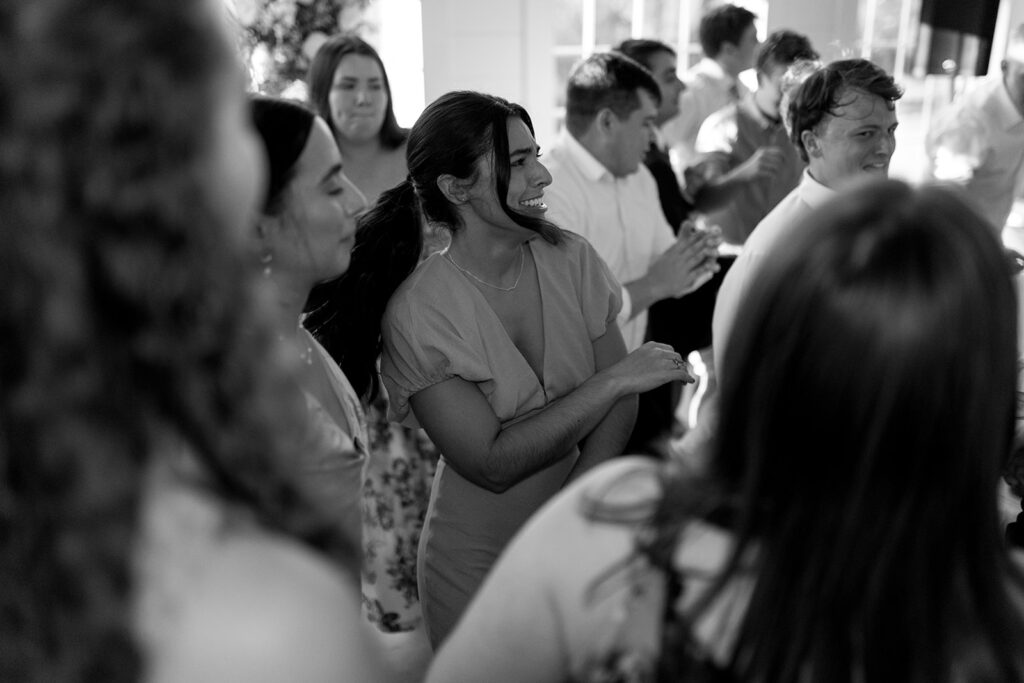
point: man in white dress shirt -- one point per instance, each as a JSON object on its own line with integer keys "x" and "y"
{"x": 728, "y": 38}
{"x": 601, "y": 190}
{"x": 843, "y": 121}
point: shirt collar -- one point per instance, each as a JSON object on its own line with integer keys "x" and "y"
{"x": 589, "y": 166}
{"x": 712, "y": 68}
{"x": 813, "y": 193}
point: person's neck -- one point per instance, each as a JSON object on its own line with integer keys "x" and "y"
{"x": 729, "y": 66}
{"x": 356, "y": 151}
{"x": 833, "y": 184}
{"x": 288, "y": 298}
{"x": 595, "y": 145}
{"x": 485, "y": 251}
{"x": 768, "y": 110}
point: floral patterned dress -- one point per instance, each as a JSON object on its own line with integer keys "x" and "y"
{"x": 396, "y": 489}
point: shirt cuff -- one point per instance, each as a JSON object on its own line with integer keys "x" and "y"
{"x": 626, "y": 312}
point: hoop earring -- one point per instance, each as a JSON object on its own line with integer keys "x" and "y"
{"x": 266, "y": 260}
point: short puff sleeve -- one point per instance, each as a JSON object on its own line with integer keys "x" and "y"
{"x": 424, "y": 345}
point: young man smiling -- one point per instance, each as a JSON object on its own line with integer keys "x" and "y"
{"x": 843, "y": 125}
{"x": 843, "y": 120}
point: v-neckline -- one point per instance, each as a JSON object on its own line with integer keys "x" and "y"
{"x": 541, "y": 380}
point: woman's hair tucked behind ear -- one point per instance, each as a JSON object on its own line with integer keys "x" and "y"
{"x": 452, "y": 135}
{"x": 127, "y": 322}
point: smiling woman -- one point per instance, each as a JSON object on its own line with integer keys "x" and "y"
{"x": 504, "y": 347}
{"x": 151, "y": 528}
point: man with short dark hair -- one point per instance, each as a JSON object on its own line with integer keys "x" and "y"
{"x": 750, "y": 158}
{"x": 602, "y": 191}
{"x": 728, "y": 38}
{"x": 843, "y": 125}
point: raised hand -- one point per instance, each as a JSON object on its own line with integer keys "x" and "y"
{"x": 687, "y": 264}
{"x": 764, "y": 163}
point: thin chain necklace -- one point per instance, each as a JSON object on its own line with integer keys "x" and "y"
{"x": 522, "y": 262}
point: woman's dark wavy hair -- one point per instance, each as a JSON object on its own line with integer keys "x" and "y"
{"x": 452, "y": 134}
{"x": 867, "y": 408}
{"x": 284, "y": 127}
{"x": 321, "y": 79}
{"x": 128, "y": 320}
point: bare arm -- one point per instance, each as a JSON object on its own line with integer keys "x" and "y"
{"x": 460, "y": 421}
{"x": 720, "y": 189}
{"x": 610, "y": 435}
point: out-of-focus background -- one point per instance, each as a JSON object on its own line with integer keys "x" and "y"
{"x": 523, "y": 49}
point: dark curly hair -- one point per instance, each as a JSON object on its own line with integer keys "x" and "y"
{"x": 128, "y": 320}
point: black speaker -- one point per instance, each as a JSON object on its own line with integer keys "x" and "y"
{"x": 977, "y": 17}
{"x": 956, "y": 36}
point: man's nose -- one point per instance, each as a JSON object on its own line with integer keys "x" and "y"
{"x": 887, "y": 143}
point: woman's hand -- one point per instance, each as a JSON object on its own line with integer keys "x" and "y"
{"x": 650, "y": 366}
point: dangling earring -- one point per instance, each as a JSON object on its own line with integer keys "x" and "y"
{"x": 265, "y": 260}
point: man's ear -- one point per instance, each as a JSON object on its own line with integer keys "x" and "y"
{"x": 455, "y": 190}
{"x": 727, "y": 48}
{"x": 606, "y": 121}
{"x": 810, "y": 142}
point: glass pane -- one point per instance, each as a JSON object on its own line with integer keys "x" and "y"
{"x": 661, "y": 20}
{"x": 568, "y": 21}
{"x": 886, "y": 38}
{"x": 614, "y": 21}
{"x": 563, "y": 63}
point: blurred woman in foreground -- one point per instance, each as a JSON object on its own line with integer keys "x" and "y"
{"x": 149, "y": 525}
{"x": 848, "y": 528}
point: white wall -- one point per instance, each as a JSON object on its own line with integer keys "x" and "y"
{"x": 401, "y": 49}
{"x": 502, "y": 47}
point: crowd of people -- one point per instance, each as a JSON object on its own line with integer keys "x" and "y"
{"x": 291, "y": 393}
